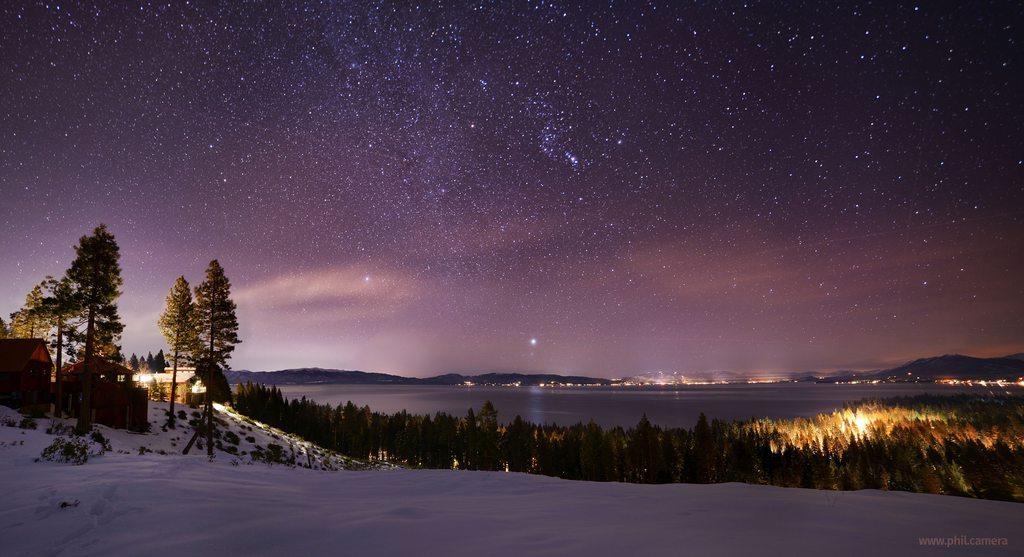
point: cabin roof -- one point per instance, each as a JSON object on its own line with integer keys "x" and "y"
{"x": 17, "y": 353}
{"x": 99, "y": 366}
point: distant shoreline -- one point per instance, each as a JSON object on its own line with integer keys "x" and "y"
{"x": 952, "y": 369}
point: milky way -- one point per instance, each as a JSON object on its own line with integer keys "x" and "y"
{"x": 537, "y": 186}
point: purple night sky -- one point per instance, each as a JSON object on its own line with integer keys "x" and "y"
{"x": 532, "y": 186}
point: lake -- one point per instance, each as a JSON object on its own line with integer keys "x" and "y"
{"x": 677, "y": 406}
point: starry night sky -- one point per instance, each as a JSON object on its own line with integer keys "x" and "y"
{"x": 635, "y": 186}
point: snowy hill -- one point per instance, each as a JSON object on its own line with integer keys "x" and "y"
{"x": 242, "y": 441}
{"x": 126, "y": 503}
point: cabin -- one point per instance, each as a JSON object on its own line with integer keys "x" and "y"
{"x": 25, "y": 369}
{"x": 184, "y": 381}
{"x": 117, "y": 400}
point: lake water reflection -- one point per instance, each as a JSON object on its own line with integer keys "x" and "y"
{"x": 611, "y": 406}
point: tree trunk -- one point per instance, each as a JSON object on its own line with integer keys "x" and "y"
{"x": 192, "y": 440}
{"x": 174, "y": 383}
{"x": 209, "y": 385}
{"x": 58, "y": 411}
{"x": 85, "y": 409}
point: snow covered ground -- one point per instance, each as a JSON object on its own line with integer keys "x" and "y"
{"x": 126, "y": 503}
{"x": 242, "y": 441}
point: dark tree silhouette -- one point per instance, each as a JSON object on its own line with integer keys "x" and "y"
{"x": 179, "y": 325}
{"x": 94, "y": 280}
{"x": 218, "y": 333}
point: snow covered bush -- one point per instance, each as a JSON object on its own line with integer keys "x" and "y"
{"x": 58, "y": 428}
{"x": 11, "y": 418}
{"x": 67, "y": 449}
{"x": 274, "y": 454}
{"x": 100, "y": 440}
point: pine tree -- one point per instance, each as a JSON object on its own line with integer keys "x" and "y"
{"x": 16, "y": 324}
{"x": 159, "y": 362}
{"x": 29, "y": 321}
{"x": 157, "y": 391}
{"x": 703, "y": 451}
{"x": 4, "y": 331}
{"x": 218, "y": 331}
{"x": 591, "y": 446}
{"x": 150, "y": 363}
{"x": 470, "y": 442}
{"x": 133, "y": 362}
{"x": 179, "y": 327}
{"x": 60, "y": 308}
{"x": 94, "y": 280}
{"x": 489, "y": 451}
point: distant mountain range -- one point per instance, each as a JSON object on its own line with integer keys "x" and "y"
{"x": 304, "y": 376}
{"x": 950, "y": 366}
{"x": 953, "y": 366}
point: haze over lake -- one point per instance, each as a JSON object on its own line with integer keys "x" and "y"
{"x": 671, "y": 406}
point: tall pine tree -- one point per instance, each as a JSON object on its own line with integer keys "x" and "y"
{"x": 218, "y": 333}
{"x": 179, "y": 325}
{"x": 489, "y": 450}
{"x": 703, "y": 451}
{"x": 60, "y": 307}
{"x": 95, "y": 281}
{"x": 4, "y": 331}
